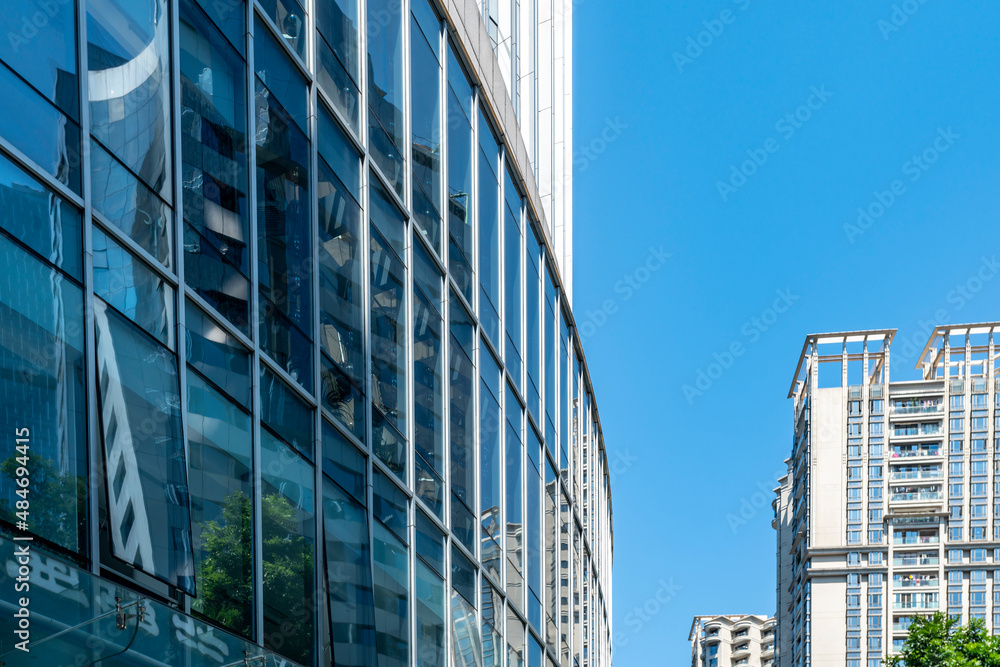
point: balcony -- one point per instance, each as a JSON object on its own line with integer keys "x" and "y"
{"x": 924, "y": 408}
{"x": 927, "y": 604}
{"x": 925, "y": 496}
{"x": 911, "y": 451}
{"x": 915, "y": 560}
{"x": 915, "y": 582}
{"x": 914, "y": 475}
{"x": 913, "y": 539}
{"x": 914, "y": 430}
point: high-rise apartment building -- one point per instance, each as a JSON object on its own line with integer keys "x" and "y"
{"x": 732, "y": 640}
{"x": 288, "y": 366}
{"x": 891, "y": 505}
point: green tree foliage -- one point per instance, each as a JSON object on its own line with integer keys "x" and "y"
{"x": 57, "y": 500}
{"x": 939, "y": 641}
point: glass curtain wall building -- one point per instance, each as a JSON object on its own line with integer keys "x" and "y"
{"x": 289, "y": 373}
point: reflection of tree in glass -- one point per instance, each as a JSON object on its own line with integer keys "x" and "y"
{"x": 224, "y": 577}
{"x": 56, "y": 501}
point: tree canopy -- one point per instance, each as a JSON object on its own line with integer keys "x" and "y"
{"x": 939, "y": 641}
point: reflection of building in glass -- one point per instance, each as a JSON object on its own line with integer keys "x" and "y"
{"x": 290, "y": 328}
{"x": 884, "y": 514}
{"x": 733, "y": 639}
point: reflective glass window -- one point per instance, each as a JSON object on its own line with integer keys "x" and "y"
{"x": 43, "y": 394}
{"x": 461, "y": 398}
{"x": 550, "y": 343}
{"x": 289, "y": 549}
{"x": 349, "y": 578}
{"x": 283, "y": 235}
{"x": 128, "y": 53}
{"x": 425, "y": 86}
{"x": 489, "y": 454}
{"x": 428, "y": 379}
{"x": 533, "y": 313}
{"x": 390, "y": 506}
{"x": 513, "y": 302}
{"x": 342, "y": 398}
{"x": 515, "y": 527}
{"x": 220, "y": 472}
{"x": 278, "y": 73}
{"x": 285, "y": 413}
{"x": 130, "y": 206}
{"x": 385, "y": 89}
{"x": 39, "y": 130}
{"x": 149, "y": 519}
{"x": 466, "y": 645}
{"x": 388, "y": 341}
{"x": 489, "y": 234}
{"x": 430, "y": 618}
{"x": 387, "y": 218}
{"x": 134, "y": 289}
{"x": 215, "y": 171}
{"x": 35, "y": 216}
{"x": 464, "y": 576}
{"x": 290, "y": 19}
{"x": 337, "y": 55}
{"x": 550, "y": 540}
{"x": 217, "y": 355}
{"x": 533, "y": 527}
{"x": 55, "y": 74}
{"x": 339, "y": 153}
{"x": 392, "y": 583}
{"x": 344, "y": 463}
{"x": 515, "y": 640}
{"x": 231, "y": 18}
{"x": 430, "y": 543}
{"x": 460, "y": 232}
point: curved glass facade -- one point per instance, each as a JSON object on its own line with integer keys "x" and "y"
{"x": 288, "y": 374}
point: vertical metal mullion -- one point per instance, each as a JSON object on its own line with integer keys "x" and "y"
{"x": 174, "y": 76}
{"x": 258, "y": 486}
{"x": 94, "y": 454}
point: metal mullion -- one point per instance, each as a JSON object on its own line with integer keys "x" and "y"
{"x": 258, "y": 486}
{"x": 36, "y": 171}
{"x": 178, "y": 225}
{"x": 277, "y": 36}
{"x": 94, "y": 453}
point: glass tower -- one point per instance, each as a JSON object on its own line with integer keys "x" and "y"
{"x": 289, "y": 373}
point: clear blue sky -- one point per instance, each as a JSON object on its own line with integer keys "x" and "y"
{"x": 880, "y": 96}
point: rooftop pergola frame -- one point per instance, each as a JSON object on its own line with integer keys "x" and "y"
{"x": 867, "y": 349}
{"x": 961, "y": 351}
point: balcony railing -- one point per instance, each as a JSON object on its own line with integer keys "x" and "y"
{"x": 926, "y": 604}
{"x": 917, "y": 409}
{"x": 915, "y": 539}
{"x": 921, "y": 429}
{"x": 926, "y": 560}
{"x": 909, "y": 453}
{"x": 903, "y": 475}
{"x": 923, "y": 495}
{"x": 914, "y": 583}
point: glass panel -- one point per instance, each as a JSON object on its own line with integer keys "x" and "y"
{"x": 133, "y": 288}
{"x": 388, "y": 334}
{"x": 513, "y": 302}
{"x": 128, "y": 54}
{"x": 533, "y": 311}
{"x": 385, "y": 89}
{"x": 549, "y": 543}
{"x": 214, "y": 156}
{"x": 463, "y": 330}
{"x": 533, "y": 529}
{"x": 285, "y": 413}
{"x": 515, "y": 529}
{"x": 342, "y": 398}
{"x": 388, "y": 220}
{"x": 344, "y": 464}
{"x": 460, "y": 176}
{"x": 463, "y": 576}
{"x": 145, "y": 465}
{"x": 338, "y": 152}
{"x": 489, "y": 460}
{"x": 389, "y": 506}
{"x": 290, "y": 18}
{"x": 489, "y": 236}
{"x": 219, "y": 445}
{"x": 231, "y": 18}
{"x": 429, "y": 486}
{"x": 430, "y": 618}
{"x": 549, "y": 343}
{"x": 337, "y": 51}
{"x": 340, "y": 275}
{"x": 430, "y": 543}
{"x": 289, "y": 538}
{"x": 283, "y": 233}
{"x": 425, "y": 84}
{"x": 278, "y": 74}
{"x": 392, "y": 625}
{"x": 131, "y": 206}
{"x": 349, "y": 579}
{"x": 466, "y": 647}
{"x": 43, "y": 396}
{"x": 217, "y": 355}
{"x": 36, "y": 217}
{"x": 55, "y": 74}
{"x": 463, "y": 415}
{"x": 515, "y": 640}
{"x": 38, "y": 129}
{"x": 428, "y": 366}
